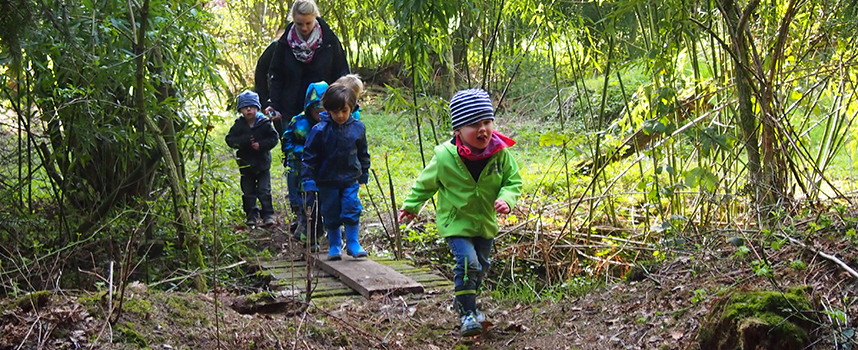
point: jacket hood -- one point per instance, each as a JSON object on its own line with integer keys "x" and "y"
{"x": 314, "y": 94}
{"x": 260, "y": 119}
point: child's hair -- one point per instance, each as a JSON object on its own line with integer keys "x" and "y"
{"x": 353, "y": 82}
{"x": 304, "y": 7}
{"x": 338, "y": 96}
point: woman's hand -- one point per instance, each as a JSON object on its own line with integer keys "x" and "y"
{"x": 272, "y": 114}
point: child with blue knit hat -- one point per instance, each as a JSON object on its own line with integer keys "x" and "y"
{"x": 476, "y": 178}
{"x": 253, "y": 137}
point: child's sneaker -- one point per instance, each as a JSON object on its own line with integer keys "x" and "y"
{"x": 470, "y": 325}
{"x": 250, "y": 220}
{"x": 479, "y": 317}
{"x": 268, "y": 221}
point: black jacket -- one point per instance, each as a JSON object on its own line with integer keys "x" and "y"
{"x": 289, "y": 77}
{"x": 260, "y": 74}
{"x": 263, "y": 132}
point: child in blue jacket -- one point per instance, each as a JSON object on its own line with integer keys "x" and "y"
{"x": 336, "y": 163}
{"x": 253, "y": 137}
{"x": 293, "y": 148}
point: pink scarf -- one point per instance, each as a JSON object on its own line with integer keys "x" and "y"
{"x": 304, "y": 50}
{"x": 498, "y": 142}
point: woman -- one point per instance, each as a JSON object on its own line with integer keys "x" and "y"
{"x": 306, "y": 53}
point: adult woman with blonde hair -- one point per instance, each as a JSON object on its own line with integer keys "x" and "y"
{"x": 306, "y": 53}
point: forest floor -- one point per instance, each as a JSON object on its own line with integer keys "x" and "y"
{"x": 662, "y": 307}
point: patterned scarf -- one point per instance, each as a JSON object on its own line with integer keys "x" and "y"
{"x": 304, "y": 50}
{"x": 498, "y": 142}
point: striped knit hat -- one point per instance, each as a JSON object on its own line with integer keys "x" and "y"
{"x": 470, "y": 106}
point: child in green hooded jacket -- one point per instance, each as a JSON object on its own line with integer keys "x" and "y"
{"x": 476, "y": 178}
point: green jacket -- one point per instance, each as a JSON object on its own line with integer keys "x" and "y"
{"x": 465, "y": 207}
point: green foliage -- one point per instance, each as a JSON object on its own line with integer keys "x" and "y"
{"x": 699, "y": 295}
{"x": 529, "y": 290}
{"x": 127, "y": 334}
{"x": 185, "y": 310}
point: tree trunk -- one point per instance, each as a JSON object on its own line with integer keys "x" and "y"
{"x": 184, "y": 219}
{"x": 448, "y": 74}
{"x": 747, "y": 119}
{"x": 461, "y": 39}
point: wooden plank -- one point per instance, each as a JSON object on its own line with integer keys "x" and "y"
{"x": 280, "y": 274}
{"x": 367, "y": 277}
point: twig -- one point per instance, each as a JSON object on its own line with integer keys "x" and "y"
{"x": 602, "y": 260}
{"x": 394, "y": 217}
{"x": 110, "y": 292}
{"x": 217, "y": 231}
{"x": 360, "y": 331}
{"x": 197, "y": 273}
{"x": 273, "y": 333}
{"x": 377, "y": 213}
{"x": 29, "y": 331}
{"x": 830, "y": 257}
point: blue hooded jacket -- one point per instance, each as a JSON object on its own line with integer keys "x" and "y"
{"x": 335, "y": 155}
{"x": 296, "y": 133}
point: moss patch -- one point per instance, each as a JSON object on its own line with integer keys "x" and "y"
{"x": 34, "y": 300}
{"x": 140, "y": 307}
{"x": 186, "y": 311}
{"x": 758, "y": 320}
{"x": 260, "y": 297}
{"x": 128, "y": 335}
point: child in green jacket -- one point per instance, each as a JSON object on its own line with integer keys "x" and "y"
{"x": 475, "y": 177}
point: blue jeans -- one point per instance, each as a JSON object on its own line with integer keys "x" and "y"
{"x": 472, "y": 262}
{"x": 256, "y": 185}
{"x": 340, "y": 206}
{"x": 293, "y": 181}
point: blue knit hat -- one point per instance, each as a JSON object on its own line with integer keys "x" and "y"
{"x": 470, "y": 106}
{"x": 248, "y": 98}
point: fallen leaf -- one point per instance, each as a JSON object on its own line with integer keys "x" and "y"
{"x": 676, "y": 335}
{"x": 654, "y": 339}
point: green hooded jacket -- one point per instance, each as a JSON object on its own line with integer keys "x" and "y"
{"x": 465, "y": 207}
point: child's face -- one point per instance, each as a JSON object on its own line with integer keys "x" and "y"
{"x": 304, "y": 23}
{"x": 341, "y": 116}
{"x": 476, "y": 135}
{"x": 315, "y": 112}
{"x": 249, "y": 112}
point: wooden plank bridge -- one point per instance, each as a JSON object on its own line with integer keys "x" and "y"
{"x": 352, "y": 277}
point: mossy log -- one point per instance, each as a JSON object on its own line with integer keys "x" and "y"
{"x": 760, "y": 320}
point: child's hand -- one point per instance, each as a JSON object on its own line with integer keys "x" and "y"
{"x": 310, "y": 201}
{"x": 501, "y": 207}
{"x": 254, "y": 144}
{"x": 405, "y": 216}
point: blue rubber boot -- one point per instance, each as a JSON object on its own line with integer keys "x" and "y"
{"x": 335, "y": 242}
{"x": 353, "y": 248}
